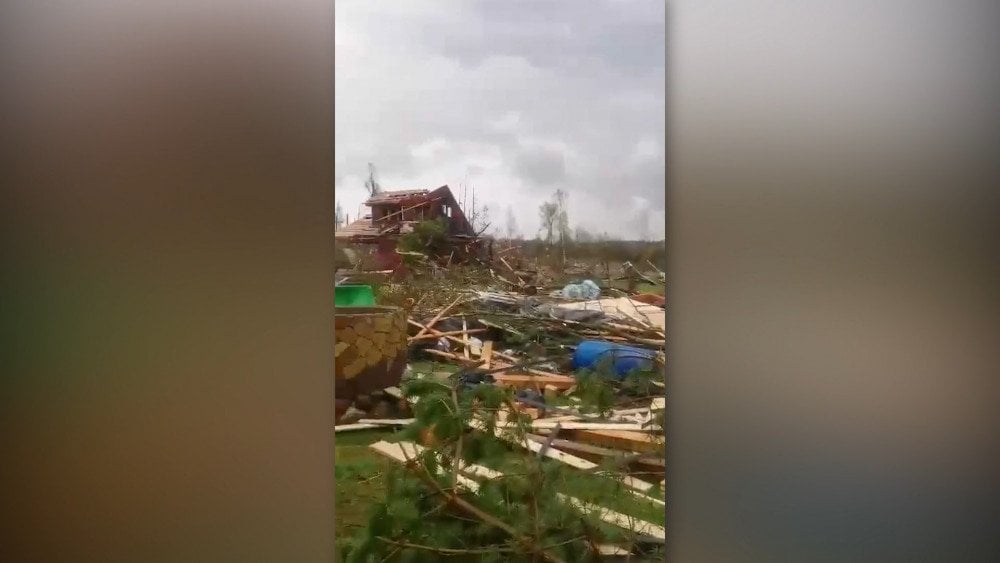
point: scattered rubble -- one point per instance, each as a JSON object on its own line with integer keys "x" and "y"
{"x": 499, "y": 321}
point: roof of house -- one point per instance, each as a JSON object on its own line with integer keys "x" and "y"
{"x": 396, "y": 196}
{"x": 364, "y": 227}
{"x": 360, "y": 228}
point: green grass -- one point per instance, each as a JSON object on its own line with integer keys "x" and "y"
{"x": 429, "y": 367}
{"x": 359, "y": 477}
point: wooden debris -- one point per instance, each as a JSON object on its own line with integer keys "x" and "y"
{"x": 620, "y": 439}
{"x": 357, "y": 426}
{"x": 603, "y": 426}
{"x": 435, "y": 334}
{"x": 535, "y": 381}
{"x": 658, "y": 404}
{"x": 646, "y": 465}
{"x": 571, "y": 460}
{"x": 455, "y": 357}
{"x": 430, "y": 324}
{"x": 617, "y": 518}
{"x": 387, "y": 421}
{"x": 560, "y": 418}
{"x": 465, "y": 338}
{"x": 608, "y": 550}
{"x": 487, "y": 354}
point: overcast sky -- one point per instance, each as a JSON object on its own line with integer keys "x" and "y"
{"x": 515, "y": 98}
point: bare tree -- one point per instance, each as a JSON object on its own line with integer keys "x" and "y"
{"x": 547, "y": 212}
{"x": 555, "y": 221}
{"x": 371, "y": 184}
{"x": 562, "y": 223}
{"x": 583, "y": 235}
{"x": 562, "y": 219}
{"x": 478, "y": 217}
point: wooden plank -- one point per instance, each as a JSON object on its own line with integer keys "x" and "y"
{"x": 568, "y": 459}
{"x": 465, "y": 339}
{"x": 571, "y": 460}
{"x": 455, "y": 357}
{"x": 658, "y": 404}
{"x": 430, "y": 325}
{"x": 562, "y": 418}
{"x": 536, "y": 381}
{"x": 351, "y": 427}
{"x": 387, "y": 421}
{"x": 434, "y": 335}
{"x": 653, "y": 500}
{"x": 592, "y": 452}
{"x": 487, "y": 354}
{"x": 609, "y": 550}
{"x": 620, "y": 439}
{"x": 570, "y": 425}
{"x": 403, "y": 452}
{"x": 617, "y": 518}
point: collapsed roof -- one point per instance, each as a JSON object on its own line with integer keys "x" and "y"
{"x": 393, "y": 212}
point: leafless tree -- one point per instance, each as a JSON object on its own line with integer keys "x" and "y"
{"x": 478, "y": 217}
{"x": 555, "y": 220}
{"x": 371, "y": 184}
{"x": 547, "y": 212}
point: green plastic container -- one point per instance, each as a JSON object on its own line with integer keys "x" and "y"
{"x": 353, "y": 296}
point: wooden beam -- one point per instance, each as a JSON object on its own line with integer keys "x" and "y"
{"x": 568, "y": 459}
{"x": 617, "y": 518}
{"x": 436, "y": 334}
{"x": 603, "y": 426}
{"x": 440, "y": 314}
{"x": 620, "y": 439}
{"x": 487, "y": 354}
{"x": 592, "y": 452}
{"x": 349, "y": 427}
{"x": 387, "y": 421}
{"x": 533, "y": 381}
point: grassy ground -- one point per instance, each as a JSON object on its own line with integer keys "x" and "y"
{"x": 360, "y": 476}
{"x": 359, "y": 479}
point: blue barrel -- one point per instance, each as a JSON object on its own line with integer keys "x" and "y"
{"x": 626, "y": 358}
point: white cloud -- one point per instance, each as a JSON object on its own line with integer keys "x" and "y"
{"x": 495, "y": 96}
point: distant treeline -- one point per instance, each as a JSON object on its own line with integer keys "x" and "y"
{"x": 636, "y": 252}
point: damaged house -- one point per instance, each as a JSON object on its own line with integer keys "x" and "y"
{"x": 394, "y": 213}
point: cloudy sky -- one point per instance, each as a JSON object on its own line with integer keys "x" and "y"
{"x": 515, "y": 98}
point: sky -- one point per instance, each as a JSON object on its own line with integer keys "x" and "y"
{"x": 513, "y": 98}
